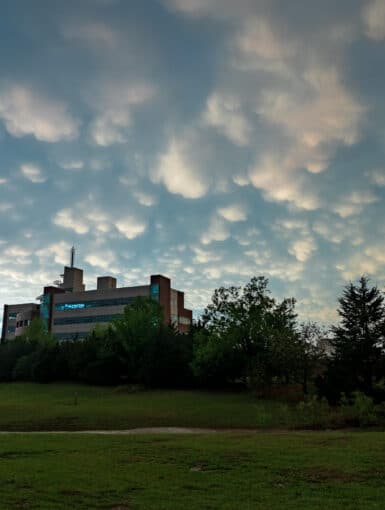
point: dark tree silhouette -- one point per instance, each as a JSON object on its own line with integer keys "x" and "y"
{"x": 359, "y": 339}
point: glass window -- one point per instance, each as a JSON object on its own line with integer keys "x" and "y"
{"x": 70, "y": 336}
{"x": 95, "y": 304}
{"x": 85, "y": 319}
{"x": 154, "y": 291}
{"x": 44, "y": 308}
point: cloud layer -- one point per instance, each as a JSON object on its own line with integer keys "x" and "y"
{"x": 221, "y": 141}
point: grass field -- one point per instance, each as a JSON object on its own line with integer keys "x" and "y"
{"x": 75, "y": 407}
{"x": 243, "y": 471}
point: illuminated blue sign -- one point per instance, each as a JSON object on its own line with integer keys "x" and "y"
{"x": 71, "y": 306}
{"x": 97, "y": 303}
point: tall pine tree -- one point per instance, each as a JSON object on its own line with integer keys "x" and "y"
{"x": 359, "y": 339}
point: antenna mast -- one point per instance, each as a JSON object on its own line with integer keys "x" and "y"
{"x": 72, "y": 256}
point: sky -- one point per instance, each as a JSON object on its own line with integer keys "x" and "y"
{"x": 207, "y": 140}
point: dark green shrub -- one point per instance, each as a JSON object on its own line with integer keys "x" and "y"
{"x": 24, "y": 367}
{"x": 10, "y": 352}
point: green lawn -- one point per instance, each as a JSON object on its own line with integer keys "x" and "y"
{"x": 75, "y": 407}
{"x": 243, "y": 471}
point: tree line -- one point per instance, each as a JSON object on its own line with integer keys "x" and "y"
{"x": 245, "y": 338}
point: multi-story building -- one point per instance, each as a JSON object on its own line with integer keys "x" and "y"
{"x": 16, "y": 318}
{"x": 69, "y": 311}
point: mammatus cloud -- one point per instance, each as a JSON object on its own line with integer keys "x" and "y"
{"x": 66, "y": 218}
{"x": 315, "y": 124}
{"x": 104, "y": 261}
{"x": 95, "y": 34}
{"x": 110, "y": 128}
{"x": 260, "y": 47}
{"x": 301, "y": 242}
{"x": 145, "y": 199}
{"x": 221, "y": 9}
{"x": 131, "y": 227}
{"x": 300, "y": 99}
{"x": 224, "y": 114}
{"x": 236, "y": 212}
{"x": 377, "y": 177}
{"x": 16, "y": 251}
{"x": 58, "y": 252}
{"x": 74, "y": 164}
{"x": 83, "y": 220}
{"x": 316, "y": 121}
{"x": 302, "y": 249}
{"x": 371, "y": 264}
{"x": 115, "y": 104}
{"x": 247, "y": 158}
{"x": 216, "y": 231}
{"x": 25, "y": 112}
{"x": 354, "y": 203}
{"x": 300, "y": 95}
{"x": 336, "y": 232}
{"x": 203, "y": 256}
{"x": 33, "y": 173}
{"x": 178, "y": 173}
{"x": 374, "y": 19}
{"x": 282, "y": 184}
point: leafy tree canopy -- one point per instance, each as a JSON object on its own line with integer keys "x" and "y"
{"x": 254, "y": 324}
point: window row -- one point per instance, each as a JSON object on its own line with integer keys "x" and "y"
{"x": 21, "y": 324}
{"x": 71, "y": 336}
{"x": 95, "y": 304}
{"x": 85, "y": 319}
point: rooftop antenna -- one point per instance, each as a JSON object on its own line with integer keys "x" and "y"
{"x": 72, "y": 256}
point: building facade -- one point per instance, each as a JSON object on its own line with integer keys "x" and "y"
{"x": 16, "y": 318}
{"x": 69, "y": 311}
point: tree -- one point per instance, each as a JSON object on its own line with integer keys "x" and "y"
{"x": 10, "y": 352}
{"x": 37, "y": 334}
{"x": 312, "y": 352}
{"x": 141, "y": 322}
{"x": 153, "y": 354}
{"x": 99, "y": 361}
{"x": 216, "y": 361}
{"x": 359, "y": 339}
{"x": 250, "y": 322}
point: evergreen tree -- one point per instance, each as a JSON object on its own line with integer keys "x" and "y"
{"x": 359, "y": 339}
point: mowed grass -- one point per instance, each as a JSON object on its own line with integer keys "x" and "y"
{"x": 32, "y": 407}
{"x": 248, "y": 471}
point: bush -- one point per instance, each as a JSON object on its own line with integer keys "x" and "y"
{"x": 165, "y": 362}
{"x": 46, "y": 366}
{"x": 313, "y": 412}
{"x": 359, "y": 409}
{"x": 24, "y": 367}
{"x": 215, "y": 361}
{"x": 102, "y": 372}
{"x": 10, "y": 353}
